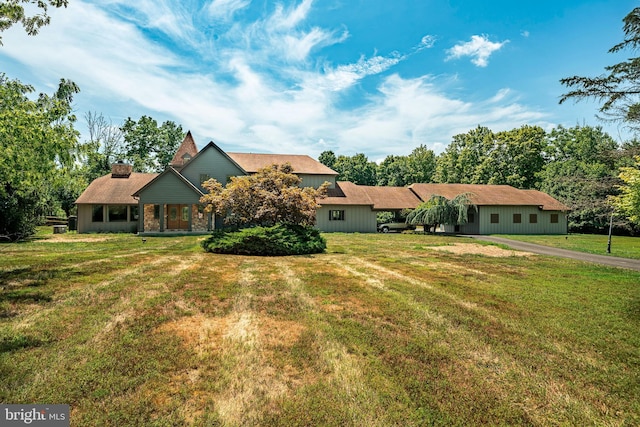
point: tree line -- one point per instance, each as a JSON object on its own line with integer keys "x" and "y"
{"x": 44, "y": 166}
{"x": 580, "y": 166}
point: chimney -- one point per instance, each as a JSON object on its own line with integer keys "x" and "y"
{"x": 121, "y": 170}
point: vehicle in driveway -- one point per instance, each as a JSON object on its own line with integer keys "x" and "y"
{"x": 395, "y": 226}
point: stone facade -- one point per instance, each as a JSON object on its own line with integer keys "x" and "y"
{"x": 150, "y": 223}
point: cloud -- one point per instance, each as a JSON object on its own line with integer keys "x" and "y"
{"x": 249, "y": 95}
{"x": 225, "y": 9}
{"x": 479, "y": 49}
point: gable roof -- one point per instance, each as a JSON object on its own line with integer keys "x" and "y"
{"x": 490, "y": 195}
{"x": 212, "y": 145}
{"x": 188, "y": 147}
{"x": 169, "y": 170}
{"x": 116, "y": 191}
{"x": 302, "y": 164}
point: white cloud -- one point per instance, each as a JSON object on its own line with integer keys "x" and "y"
{"x": 250, "y": 96}
{"x": 479, "y": 49}
{"x": 225, "y": 9}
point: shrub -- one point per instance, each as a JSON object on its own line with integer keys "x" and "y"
{"x": 278, "y": 240}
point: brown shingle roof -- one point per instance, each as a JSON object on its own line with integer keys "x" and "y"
{"x": 115, "y": 191}
{"x": 188, "y": 146}
{"x": 379, "y": 198}
{"x": 486, "y": 195}
{"x": 302, "y": 164}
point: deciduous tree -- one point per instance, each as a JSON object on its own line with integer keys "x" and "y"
{"x": 440, "y": 210}
{"x": 628, "y": 201}
{"x": 149, "y": 147}
{"x": 271, "y": 196}
{"x": 37, "y": 141}
{"x": 13, "y": 12}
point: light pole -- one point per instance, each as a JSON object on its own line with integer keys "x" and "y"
{"x": 610, "y": 228}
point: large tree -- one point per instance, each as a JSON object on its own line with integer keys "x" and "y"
{"x": 271, "y": 196}
{"x": 440, "y": 210}
{"x": 149, "y": 147}
{"x": 357, "y": 169}
{"x": 483, "y": 157}
{"x": 13, "y": 12}
{"x": 628, "y": 201}
{"x": 619, "y": 88}
{"x": 580, "y": 171}
{"x": 104, "y": 147}
{"x": 417, "y": 167}
{"x": 37, "y": 142}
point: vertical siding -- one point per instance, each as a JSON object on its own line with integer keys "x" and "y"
{"x": 507, "y": 226}
{"x": 169, "y": 189}
{"x": 316, "y": 181}
{"x": 361, "y": 219}
{"x": 213, "y": 163}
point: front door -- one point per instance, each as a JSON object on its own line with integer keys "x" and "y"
{"x": 178, "y": 217}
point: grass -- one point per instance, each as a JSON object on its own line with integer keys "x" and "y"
{"x": 379, "y": 330}
{"x": 621, "y": 246}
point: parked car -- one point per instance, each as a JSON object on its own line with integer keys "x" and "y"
{"x": 395, "y": 226}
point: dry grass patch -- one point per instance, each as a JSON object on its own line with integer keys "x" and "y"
{"x": 476, "y": 249}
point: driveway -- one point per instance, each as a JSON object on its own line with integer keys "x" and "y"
{"x": 611, "y": 261}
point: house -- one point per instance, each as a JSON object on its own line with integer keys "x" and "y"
{"x": 502, "y": 209}
{"x": 125, "y": 201}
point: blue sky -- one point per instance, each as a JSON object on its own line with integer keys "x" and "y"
{"x": 376, "y": 77}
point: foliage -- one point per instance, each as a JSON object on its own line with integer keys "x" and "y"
{"x": 149, "y": 147}
{"x": 619, "y": 89}
{"x": 440, "y": 210}
{"x": 328, "y": 158}
{"x": 271, "y": 196}
{"x": 580, "y": 172}
{"x": 483, "y": 157}
{"x": 277, "y": 240}
{"x": 628, "y": 201}
{"x": 13, "y": 12}
{"x": 37, "y": 143}
{"x": 105, "y": 146}
{"x": 399, "y": 171}
{"x": 357, "y": 169}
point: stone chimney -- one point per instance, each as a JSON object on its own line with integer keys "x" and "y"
{"x": 121, "y": 170}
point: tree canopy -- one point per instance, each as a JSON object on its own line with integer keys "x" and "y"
{"x": 271, "y": 196}
{"x": 37, "y": 145}
{"x": 149, "y": 147}
{"x": 619, "y": 88}
{"x": 440, "y": 210}
{"x": 628, "y": 201}
{"x": 13, "y": 12}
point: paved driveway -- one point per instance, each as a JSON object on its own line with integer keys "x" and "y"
{"x": 612, "y": 261}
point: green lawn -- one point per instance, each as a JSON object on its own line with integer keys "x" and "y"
{"x": 380, "y": 330}
{"x": 621, "y": 246}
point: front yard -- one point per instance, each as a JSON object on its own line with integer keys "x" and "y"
{"x": 380, "y": 330}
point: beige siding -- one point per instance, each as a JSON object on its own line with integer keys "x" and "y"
{"x": 359, "y": 219}
{"x": 506, "y": 223}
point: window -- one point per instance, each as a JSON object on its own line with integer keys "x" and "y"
{"x": 336, "y": 215}
{"x": 156, "y": 211}
{"x": 472, "y": 218}
{"x": 98, "y": 213}
{"x": 133, "y": 213}
{"x": 533, "y": 218}
{"x": 517, "y": 218}
{"x": 495, "y": 218}
{"x": 117, "y": 213}
{"x": 554, "y": 218}
{"x": 185, "y": 158}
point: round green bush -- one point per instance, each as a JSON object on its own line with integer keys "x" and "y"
{"x": 279, "y": 240}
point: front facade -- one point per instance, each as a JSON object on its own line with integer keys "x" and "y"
{"x": 169, "y": 202}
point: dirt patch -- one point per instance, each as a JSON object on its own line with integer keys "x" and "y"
{"x": 475, "y": 249}
{"x": 61, "y": 238}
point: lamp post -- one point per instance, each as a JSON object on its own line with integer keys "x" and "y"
{"x": 610, "y": 228}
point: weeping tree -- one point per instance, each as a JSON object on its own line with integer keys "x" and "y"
{"x": 440, "y": 210}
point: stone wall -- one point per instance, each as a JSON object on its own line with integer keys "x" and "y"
{"x": 150, "y": 223}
